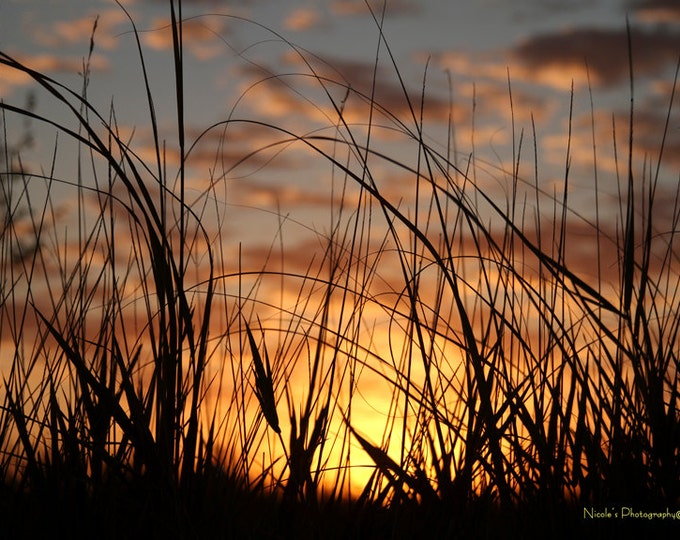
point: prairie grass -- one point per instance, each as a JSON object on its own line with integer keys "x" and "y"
{"x": 153, "y": 385}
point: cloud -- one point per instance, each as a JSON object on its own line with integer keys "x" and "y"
{"x": 482, "y": 82}
{"x": 201, "y": 36}
{"x": 240, "y": 149}
{"x": 11, "y": 78}
{"x": 187, "y": 4}
{"x": 565, "y": 55}
{"x": 259, "y": 194}
{"x": 358, "y": 7}
{"x": 352, "y": 84}
{"x": 302, "y": 19}
{"x": 79, "y": 31}
{"x": 649, "y": 139}
{"x": 658, "y": 11}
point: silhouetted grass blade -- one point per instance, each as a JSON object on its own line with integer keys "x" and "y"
{"x": 264, "y": 385}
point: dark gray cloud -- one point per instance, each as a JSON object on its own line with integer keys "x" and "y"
{"x": 604, "y": 51}
{"x": 663, "y": 11}
{"x": 382, "y": 85}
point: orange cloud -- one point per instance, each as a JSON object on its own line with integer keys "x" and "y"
{"x": 201, "y": 36}
{"x": 358, "y": 7}
{"x": 11, "y": 78}
{"x": 302, "y": 19}
{"x": 351, "y": 83}
{"x": 79, "y": 31}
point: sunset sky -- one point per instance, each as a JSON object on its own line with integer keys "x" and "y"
{"x": 541, "y": 47}
{"x": 494, "y": 73}
{"x": 487, "y": 67}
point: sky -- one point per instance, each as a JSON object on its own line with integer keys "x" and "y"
{"x": 471, "y": 56}
{"x": 488, "y": 73}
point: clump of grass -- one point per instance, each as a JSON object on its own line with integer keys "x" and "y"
{"x": 151, "y": 377}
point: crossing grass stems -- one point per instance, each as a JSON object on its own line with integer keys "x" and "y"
{"x": 139, "y": 379}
